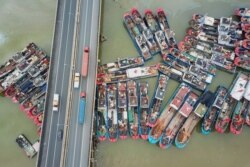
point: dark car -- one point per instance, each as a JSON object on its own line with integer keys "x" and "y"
{"x": 60, "y": 134}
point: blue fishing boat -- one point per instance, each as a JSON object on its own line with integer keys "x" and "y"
{"x": 130, "y": 26}
{"x": 151, "y": 43}
{"x": 212, "y": 113}
{"x": 170, "y": 132}
{"x": 170, "y": 72}
{"x": 156, "y": 102}
{"x": 138, "y": 20}
{"x": 122, "y": 110}
{"x": 194, "y": 81}
{"x": 168, "y": 113}
{"x": 112, "y": 122}
{"x": 133, "y": 114}
{"x": 239, "y": 116}
{"x": 144, "y": 51}
{"x": 151, "y": 21}
{"x": 162, "y": 42}
{"x": 187, "y": 128}
{"x": 162, "y": 19}
{"x": 143, "y": 109}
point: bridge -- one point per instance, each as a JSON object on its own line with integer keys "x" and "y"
{"x": 77, "y": 25}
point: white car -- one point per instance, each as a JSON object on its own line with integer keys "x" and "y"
{"x": 77, "y": 80}
{"x": 55, "y": 102}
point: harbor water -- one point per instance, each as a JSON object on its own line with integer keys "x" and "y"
{"x": 22, "y": 22}
{"x": 225, "y": 150}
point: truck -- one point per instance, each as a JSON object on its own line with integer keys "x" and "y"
{"x": 81, "y": 113}
{"x": 85, "y": 62}
{"x": 77, "y": 80}
{"x": 55, "y": 102}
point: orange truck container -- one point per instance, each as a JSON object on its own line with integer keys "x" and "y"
{"x": 85, "y": 62}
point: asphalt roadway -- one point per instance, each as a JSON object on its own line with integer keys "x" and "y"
{"x": 79, "y": 138}
{"x": 51, "y": 146}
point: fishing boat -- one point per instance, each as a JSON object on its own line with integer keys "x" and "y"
{"x": 142, "y": 72}
{"x": 246, "y": 27}
{"x": 37, "y": 109}
{"x": 196, "y": 53}
{"x": 11, "y": 79}
{"x": 40, "y": 67}
{"x": 181, "y": 64}
{"x": 247, "y": 91}
{"x": 212, "y": 113}
{"x": 166, "y": 69}
{"x": 168, "y": 113}
{"x": 205, "y": 20}
{"x": 185, "y": 132}
{"x": 25, "y": 64}
{"x": 141, "y": 42}
{"x": 38, "y": 120}
{"x": 112, "y": 123}
{"x": 122, "y": 110}
{"x": 236, "y": 93}
{"x": 169, "y": 59}
{"x": 156, "y": 102}
{"x": 162, "y": 19}
{"x": 247, "y": 35}
{"x": 138, "y": 20}
{"x": 206, "y": 65}
{"x": 239, "y": 116}
{"x": 202, "y": 36}
{"x": 202, "y": 75}
{"x": 239, "y": 86}
{"x": 133, "y": 114}
{"x": 243, "y": 62}
{"x": 222, "y": 63}
{"x": 241, "y": 51}
{"x": 8, "y": 67}
{"x": 178, "y": 120}
{"x": 194, "y": 81}
{"x": 151, "y": 43}
{"x": 143, "y": 109}
{"x": 161, "y": 41}
{"x": 227, "y": 40}
{"x": 225, "y": 52}
{"x": 101, "y": 112}
{"x": 247, "y": 120}
{"x": 29, "y": 50}
{"x": 122, "y": 64}
{"x": 151, "y": 21}
{"x": 243, "y": 12}
{"x": 130, "y": 26}
{"x": 224, "y": 115}
{"x": 30, "y": 102}
{"x": 170, "y": 36}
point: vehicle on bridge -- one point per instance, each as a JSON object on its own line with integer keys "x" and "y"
{"x": 77, "y": 80}
{"x": 55, "y": 102}
{"x": 82, "y": 108}
{"x": 85, "y": 62}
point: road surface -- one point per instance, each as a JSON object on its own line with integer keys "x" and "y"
{"x": 79, "y": 137}
{"x": 51, "y": 145}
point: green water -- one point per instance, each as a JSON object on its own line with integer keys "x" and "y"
{"x": 225, "y": 150}
{"x": 21, "y": 22}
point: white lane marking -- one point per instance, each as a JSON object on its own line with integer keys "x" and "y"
{"x": 46, "y": 159}
{"x": 78, "y": 107}
{"x": 84, "y": 139}
{"x": 62, "y": 89}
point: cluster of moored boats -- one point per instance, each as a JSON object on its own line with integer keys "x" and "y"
{"x": 123, "y": 107}
{"x": 23, "y": 78}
